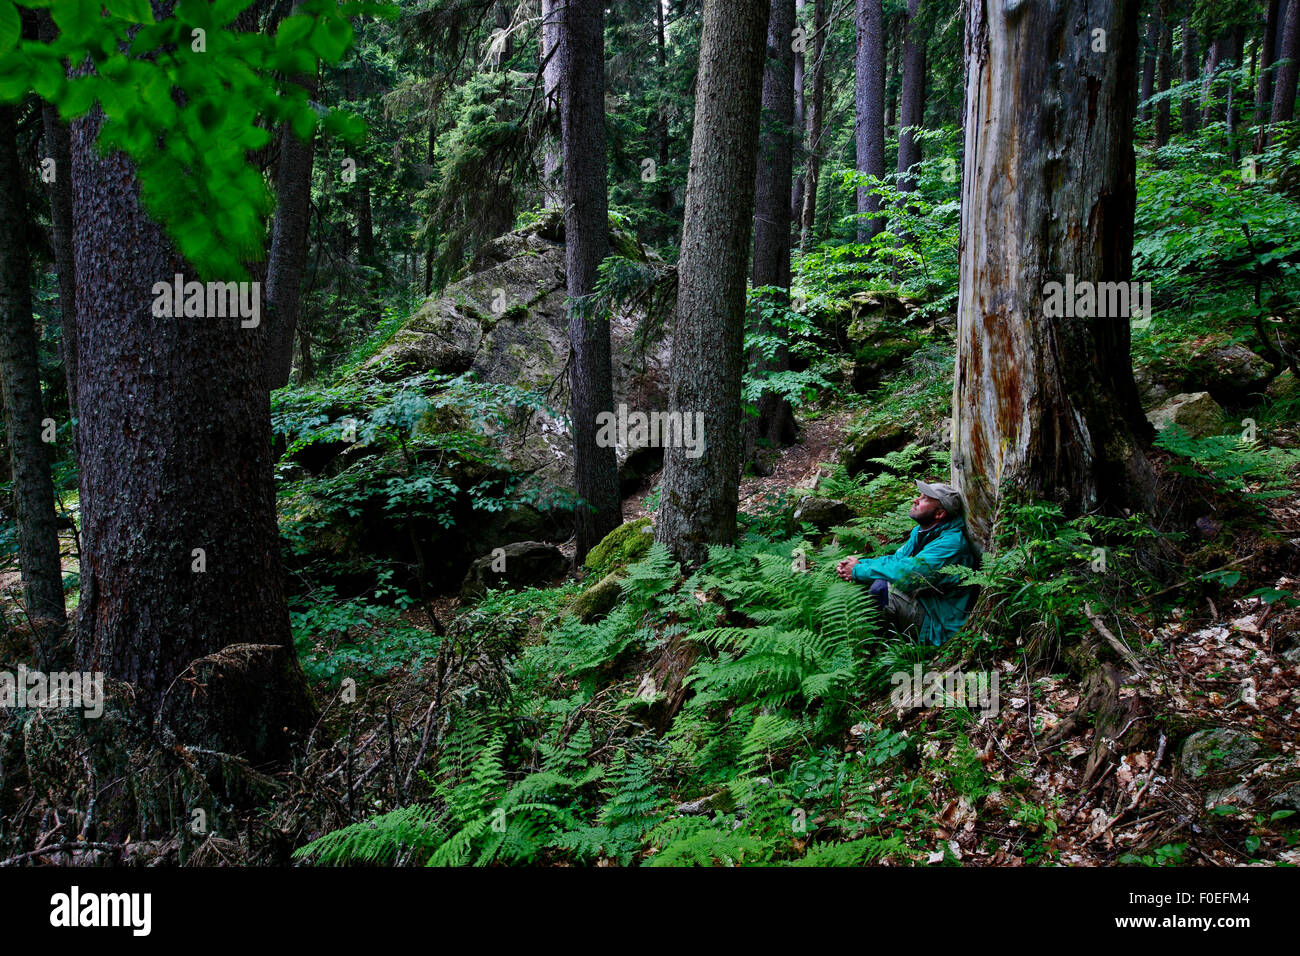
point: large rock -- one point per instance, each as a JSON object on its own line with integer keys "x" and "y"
{"x": 507, "y": 322}
{"x": 518, "y": 565}
{"x": 1284, "y": 388}
{"x": 626, "y": 544}
{"x": 1230, "y": 372}
{"x": 822, "y": 513}
{"x": 1194, "y": 412}
{"x": 866, "y": 440}
{"x": 1217, "y": 751}
{"x": 878, "y": 342}
{"x": 599, "y": 599}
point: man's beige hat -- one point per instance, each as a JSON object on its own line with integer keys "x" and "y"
{"x": 946, "y": 495}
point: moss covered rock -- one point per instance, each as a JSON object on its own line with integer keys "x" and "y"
{"x": 625, "y": 545}
{"x": 599, "y": 599}
{"x": 867, "y": 439}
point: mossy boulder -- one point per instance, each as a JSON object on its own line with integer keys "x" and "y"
{"x": 626, "y": 544}
{"x": 1217, "y": 751}
{"x": 867, "y": 439}
{"x": 507, "y": 321}
{"x": 518, "y": 565}
{"x": 822, "y": 513}
{"x": 1194, "y": 412}
{"x": 599, "y": 599}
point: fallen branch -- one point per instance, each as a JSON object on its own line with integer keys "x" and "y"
{"x": 1120, "y": 648}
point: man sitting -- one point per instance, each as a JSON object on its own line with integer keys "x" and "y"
{"x": 907, "y": 584}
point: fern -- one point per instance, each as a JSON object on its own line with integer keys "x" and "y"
{"x": 379, "y": 840}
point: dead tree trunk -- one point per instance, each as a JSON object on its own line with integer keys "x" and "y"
{"x": 1045, "y": 404}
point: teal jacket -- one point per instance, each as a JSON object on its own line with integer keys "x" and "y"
{"x": 914, "y": 567}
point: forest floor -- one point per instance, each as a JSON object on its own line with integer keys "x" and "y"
{"x": 1027, "y": 784}
{"x": 1233, "y": 667}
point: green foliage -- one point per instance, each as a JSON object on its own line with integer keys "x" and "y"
{"x": 420, "y": 447}
{"x": 357, "y": 637}
{"x": 1232, "y": 463}
{"x": 1169, "y": 855}
{"x": 773, "y": 323}
{"x": 191, "y": 151}
{"x": 1044, "y": 568}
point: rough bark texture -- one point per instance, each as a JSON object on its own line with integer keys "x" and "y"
{"x": 1284, "y": 90}
{"x": 1045, "y": 405}
{"x": 1150, "y": 53}
{"x": 870, "y": 114}
{"x": 58, "y": 149}
{"x": 1234, "y": 47}
{"x": 1213, "y": 57}
{"x": 1164, "y": 69}
{"x": 912, "y": 109}
{"x": 665, "y": 189}
{"x": 586, "y": 227}
{"x": 552, "y": 187}
{"x": 771, "y": 204}
{"x": 365, "y": 222}
{"x": 698, "y": 501}
{"x": 800, "y": 119}
{"x": 288, "y": 256}
{"x": 812, "y": 176}
{"x": 1264, "y": 75}
{"x": 1186, "y": 106}
{"x": 33, "y": 489}
{"x": 176, "y": 456}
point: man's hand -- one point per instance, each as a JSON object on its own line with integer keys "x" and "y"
{"x": 845, "y": 568}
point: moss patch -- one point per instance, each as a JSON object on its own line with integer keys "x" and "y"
{"x": 624, "y": 545}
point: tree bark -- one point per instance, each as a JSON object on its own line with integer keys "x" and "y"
{"x": 1043, "y": 405}
{"x": 59, "y": 150}
{"x": 771, "y": 210}
{"x": 1164, "y": 67}
{"x": 586, "y": 228}
{"x": 800, "y": 120}
{"x": 665, "y": 190}
{"x": 288, "y": 256}
{"x": 1150, "y": 53}
{"x": 912, "y": 111}
{"x": 551, "y": 38}
{"x": 893, "y": 48}
{"x": 1264, "y": 75}
{"x": 1232, "y": 109}
{"x": 699, "y": 496}
{"x": 1284, "y": 89}
{"x": 33, "y": 488}
{"x": 365, "y": 223}
{"x": 1213, "y": 56}
{"x": 812, "y": 175}
{"x": 180, "y": 548}
{"x": 870, "y": 113}
{"x": 1186, "y": 106}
